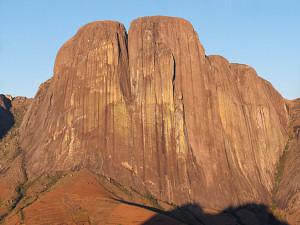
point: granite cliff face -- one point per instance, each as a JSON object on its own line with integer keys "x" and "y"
{"x": 151, "y": 110}
{"x": 288, "y": 194}
{"x": 76, "y": 110}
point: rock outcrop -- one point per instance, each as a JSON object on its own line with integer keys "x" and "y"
{"x": 152, "y": 111}
{"x": 79, "y": 117}
{"x": 6, "y": 117}
{"x": 288, "y": 194}
{"x": 12, "y": 173}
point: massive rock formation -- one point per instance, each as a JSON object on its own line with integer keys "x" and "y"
{"x": 152, "y": 111}
{"x": 79, "y": 117}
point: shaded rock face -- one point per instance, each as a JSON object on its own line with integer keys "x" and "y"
{"x": 288, "y": 194}
{"x": 11, "y": 167}
{"x": 153, "y": 112}
{"x": 294, "y": 111}
{"x": 6, "y": 117}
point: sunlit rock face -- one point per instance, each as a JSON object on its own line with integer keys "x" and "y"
{"x": 152, "y": 111}
{"x": 79, "y": 117}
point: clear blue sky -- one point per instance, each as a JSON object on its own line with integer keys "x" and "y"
{"x": 264, "y": 34}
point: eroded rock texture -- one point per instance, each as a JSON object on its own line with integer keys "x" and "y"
{"x": 11, "y": 159}
{"x": 288, "y": 194}
{"x": 153, "y": 112}
{"x": 79, "y": 113}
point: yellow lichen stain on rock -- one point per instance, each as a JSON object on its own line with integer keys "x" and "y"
{"x": 110, "y": 54}
{"x": 129, "y": 167}
{"x": 72, "y": 99}
{"x": 181, "y": 144}
{"x": 69, "y": 116}
{"x": 66, "y": 140}
{"x": 122, "y": 120}
{"x": 223, "y": 107}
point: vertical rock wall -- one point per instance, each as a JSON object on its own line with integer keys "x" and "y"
{"x": 152, "y": 111}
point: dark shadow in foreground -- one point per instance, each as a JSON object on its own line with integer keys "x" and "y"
{"x": 6, "y": 117}
{"x": 249, "y": 214}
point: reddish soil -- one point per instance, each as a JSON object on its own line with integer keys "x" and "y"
{"x": 78, "y": 198}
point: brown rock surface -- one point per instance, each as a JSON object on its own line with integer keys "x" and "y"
{"x": 288, "y": 194}
{"x": 11, "y": 160}
{"x": 294, "y": 112}
{"x": 155, "y": 113}
{"x": 82, "y": 106}
{"x": 233, "y": 123}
